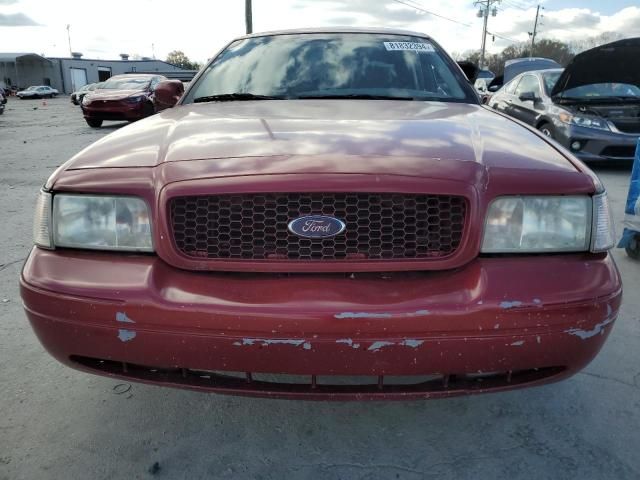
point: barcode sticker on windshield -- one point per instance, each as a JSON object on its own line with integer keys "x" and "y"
{"x": 409, "y": 46}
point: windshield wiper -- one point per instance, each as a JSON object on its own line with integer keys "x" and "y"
{"x": 355, "y": 96}
{"x": 231, "y": 97}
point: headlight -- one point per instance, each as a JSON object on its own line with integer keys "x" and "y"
{"x": 587, "y": 121}
{"x": 86, "y": 100}
{"x": 538, "y": 224}
{"x": 93, "y": 222}
{"x": 549, "y": 224}
{"x": 134, "y": 99}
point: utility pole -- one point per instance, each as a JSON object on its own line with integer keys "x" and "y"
{"x": 483, "y": 12}
{"x": 535, "y": 30}
{"x": 248, "y": 16}
{"x": 69, "y": 39}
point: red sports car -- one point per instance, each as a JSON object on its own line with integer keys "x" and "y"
{"x": 324, "y": 214}
{"x": 122, "y": 97}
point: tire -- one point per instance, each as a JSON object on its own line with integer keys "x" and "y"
{"x": 547, "y": 129}
{"x": 94, "y": 123}
{"x": 633, "y": 250}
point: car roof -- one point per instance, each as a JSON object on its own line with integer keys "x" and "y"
{"x": 294, "y": 31}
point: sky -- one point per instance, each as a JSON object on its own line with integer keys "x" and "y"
{"x": 105, "y": 28}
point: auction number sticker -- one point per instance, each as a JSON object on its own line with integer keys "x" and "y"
{"x": 409, "y": 46}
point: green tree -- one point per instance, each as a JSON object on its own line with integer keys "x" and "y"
{"x": 179, "y": 59}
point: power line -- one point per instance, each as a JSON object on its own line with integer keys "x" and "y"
{"x": 512, "y": 4}
{"x": 432, "y": 13}
{"x": 416, "y": 6}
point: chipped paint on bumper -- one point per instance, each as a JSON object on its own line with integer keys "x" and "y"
{"x": 472, "y": 319}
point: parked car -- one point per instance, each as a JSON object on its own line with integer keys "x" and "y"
{"x": 77, "y": 96}
{"x": 42, "y": 91}
{"x": 3, "y": 100}
{"x": 513, "y": 68}
{"x": 591, "y": 108}
{"x": 320, "y": 204}
{"x": 121, "y": 97}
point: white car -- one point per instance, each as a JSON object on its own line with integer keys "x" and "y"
{"x": 42, "y": 91}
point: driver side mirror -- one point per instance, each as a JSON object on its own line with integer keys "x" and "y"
{"x": 166, "y": 94}
{"x": 528, "y": 97}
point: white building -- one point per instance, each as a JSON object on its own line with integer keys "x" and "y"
{"x": 22, "y": 70}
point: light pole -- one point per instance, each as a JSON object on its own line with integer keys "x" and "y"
{"x": 535, "y": 31}
{"x": 69, "y": 39}
{"x": 248, "y": 18}
{"x": 483, "y": 12}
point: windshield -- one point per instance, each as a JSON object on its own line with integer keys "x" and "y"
{"x": 603, "y": 90}
{"x": 32, "y": 88}
{"x": 126, "y": 83}
{"x": 550, "y": 79}
{"x": 332, "y": 65}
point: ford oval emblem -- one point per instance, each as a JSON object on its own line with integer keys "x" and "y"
{"x": 316, "y": 226}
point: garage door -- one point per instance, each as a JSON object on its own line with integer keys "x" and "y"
{"x": 78, "y": 78}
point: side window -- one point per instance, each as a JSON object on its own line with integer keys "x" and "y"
{"x": 529, "y": 83}
{"x": 154, "y": 83}
{"x": 511, "y": 86}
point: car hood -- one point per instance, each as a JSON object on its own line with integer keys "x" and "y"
{"x": 114, "y": 94}
{"x": 324, "y": 136}
{"x": 615, "y": 62}
{"x": 516, "y": 66}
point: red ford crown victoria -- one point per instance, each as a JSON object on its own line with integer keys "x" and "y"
{"x": 324, "y": 214}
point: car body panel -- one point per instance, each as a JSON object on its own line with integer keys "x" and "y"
{"x": 119, "y": 104}
{"x": 38, "y": 92}
{"x": 596, "y": 145}
{"x": 517, "y": 66}
{"x": 141, "y": 311}
{"x": 316, "y": 128}
{"x": 470, "y": 322}
{"x": 614, "y": 62}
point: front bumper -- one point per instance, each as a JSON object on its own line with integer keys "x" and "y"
{"x": 597, "y": 145}
{"x": 116, "y": 110}
{"x": 495, "y": 324}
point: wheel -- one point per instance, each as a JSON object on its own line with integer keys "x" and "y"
{"x": 546, "y": 129}
{"x": 94, "y": 123}
{"x": 633, "y": 250}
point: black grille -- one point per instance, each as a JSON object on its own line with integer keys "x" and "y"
{"x": 618, "y": 151}
{"x": 378, "y": 226}
{"x": 628, "y": 126}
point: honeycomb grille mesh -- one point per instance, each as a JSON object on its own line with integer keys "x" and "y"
{"x": 379, "y": 226}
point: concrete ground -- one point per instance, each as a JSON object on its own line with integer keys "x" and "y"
{"x": 56, "y": 423}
